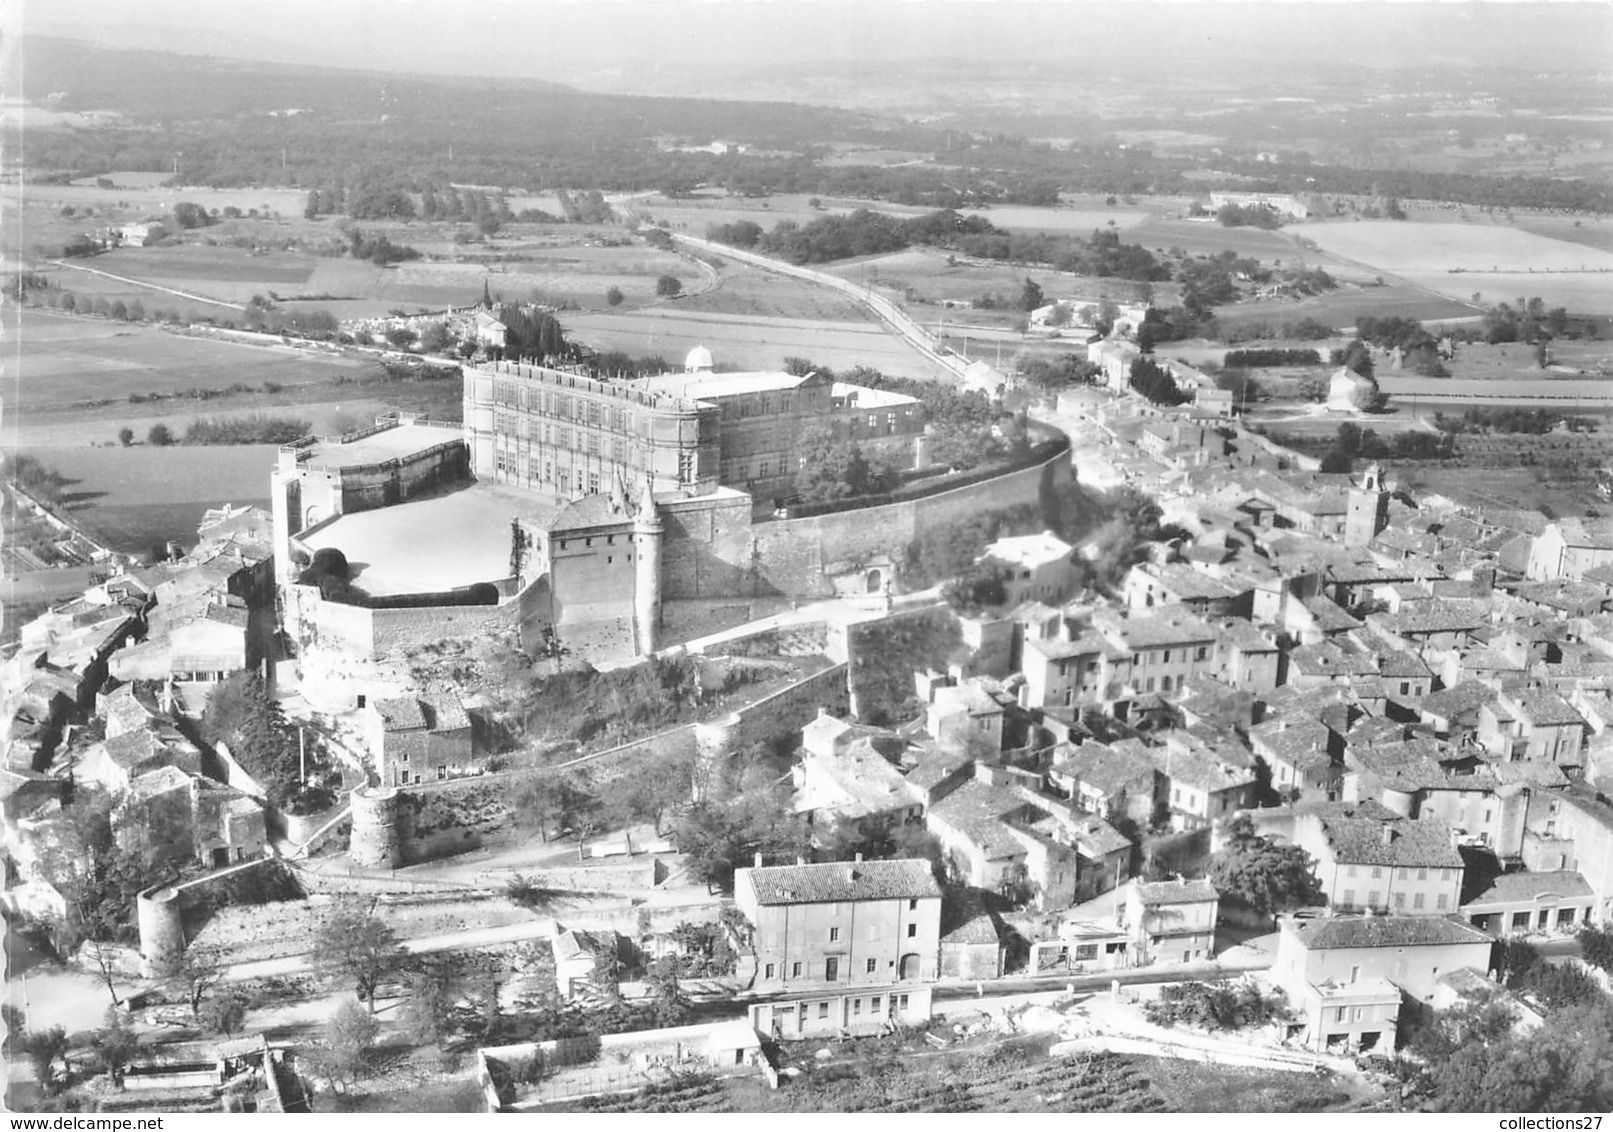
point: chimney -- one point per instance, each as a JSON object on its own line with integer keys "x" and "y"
{"x": 800, "y": 860}
{"x": 758, "y": 858}
{"x": 859, "y": 857}
{"x": 1388, "y": 834}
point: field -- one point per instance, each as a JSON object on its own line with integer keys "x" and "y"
{"x": 135, "y": 499}
{"x": 63, "y": 361}
{"x": 746, "y": 290}
{"x": 933, "y": 279}
{"x": 1499, "y": 263}
{"x": 1206, "y": 237}
{"x": 748, "y": 342}
{"x": 1340, "y": 309}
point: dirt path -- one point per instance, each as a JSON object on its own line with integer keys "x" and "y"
{"x": 191, "y": 295}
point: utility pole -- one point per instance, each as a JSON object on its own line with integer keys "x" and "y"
{"x": 302, "y": 758}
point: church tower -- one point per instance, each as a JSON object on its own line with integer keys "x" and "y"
{"x": 1368, "y": 510}
{"x": 647, "y": 532}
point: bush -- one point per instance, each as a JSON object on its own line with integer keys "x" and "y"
{"x": 614, "y": 296}
{"x": 1219, "y": 1005}
{"x": 668, "y": 287}
{"x": 159, "y": 435}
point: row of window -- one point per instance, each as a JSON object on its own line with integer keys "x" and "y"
{"x": 798, "y": 935}
{"x": 831, "y": 969}
{"x": 508, "y": 428}
{"x": 1418, "y": 900}
{"x": 876, "y": 1002}
{"x": 1405, "y": 873}
{"x": 562, "y": 406}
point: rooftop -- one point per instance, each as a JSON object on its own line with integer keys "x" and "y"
{"x": 1513, "y": 888}
{"x": 1030, "y": 551}
{"x": 841, "y": 882}
{"x": 1367, "y": 833}
{"x": 1383, "y": 931}
{"x": 702, "y": 386}
{"x": 398, "y": 442}
{"x": 1154, "y": 893}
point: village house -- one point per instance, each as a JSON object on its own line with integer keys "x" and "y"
{"x": 1534, "y": 726}
{"x": 1114, "y": 782}
{"x": 1040, "y": 568}
{"x": 1005, "y": 836}
{"x": 1521, "y": 902}
{"x": 1171, "y": 921}
{"x": 1346, "y": 975}
{"x": 419, "y": 738}
{"x": 1570, "y": 548}
{"x": 854, "y": 923}
{"x": 1369, "y": 858}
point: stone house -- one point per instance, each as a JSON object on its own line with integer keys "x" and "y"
{"x": 420, "y": 738}
{"x": 1171, "y": 921}
{"x": 866, "y": 924}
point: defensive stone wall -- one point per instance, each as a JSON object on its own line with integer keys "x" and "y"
{"x": 374, "y": 633}
{"x": 790, "y": 553}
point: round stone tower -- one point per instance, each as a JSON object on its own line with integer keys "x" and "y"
{"x": 162, "y": 932}
{"x": 647, "y": 532}
{"x": 375, "y": 842}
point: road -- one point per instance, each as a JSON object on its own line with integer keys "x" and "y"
{"x": 886, "y": 311}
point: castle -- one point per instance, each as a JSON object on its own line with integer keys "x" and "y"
{"x": 587, "y": 507}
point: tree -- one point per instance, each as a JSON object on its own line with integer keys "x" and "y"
{"x": 310, "y": 211}
{"x": 351, "y": 941}
{"x": 832, "y": 469}
{"x": 188, "y": 215}
{"x": 198, "y": 971}
{"x": 400, "y": 336}
{"x": 614, "y": 296}
{"x": 126, "y": 436}
{"x": 435, "y": 339}
{"x": 1268, "y": 877}
{"x": 115, "y": 1045}
{"x": 345, "y": 1050}
{"x": 672, "y": 1007}
{"x": 1030, "y": 296}
{"x": 428, "y": 1011}
{"x": 668, "y": 287}
{"x": 223, "y": 1014}
{"x": 42, "y": 1048}
{"x": 1358, "y": 358}
{"x": 1368, "y": 397}
{"x": 159, "y": 435}
{"x": 241, "y": 714}
{"x": 980, "y": 587}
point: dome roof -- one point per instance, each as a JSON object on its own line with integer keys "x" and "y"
{"x": 698, "y": 361}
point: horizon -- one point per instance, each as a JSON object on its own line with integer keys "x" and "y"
{"x": 676, "y": 48}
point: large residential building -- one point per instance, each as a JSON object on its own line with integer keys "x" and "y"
{"x": 1372, "y": 859}
{"x": 849, "y": 923}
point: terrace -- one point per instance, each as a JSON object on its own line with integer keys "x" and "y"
{"x": 440, "y": 542}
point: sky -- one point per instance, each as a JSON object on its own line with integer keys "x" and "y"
{"x": 591, "y": 41}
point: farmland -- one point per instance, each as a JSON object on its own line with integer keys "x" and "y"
{"x": 1497, "y": 262}
{"x": 1009, "y": 1078}
{"x": 748, "y": 341}
{"x": 64, "y": 363}
{"x": 1339, "y": 309}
